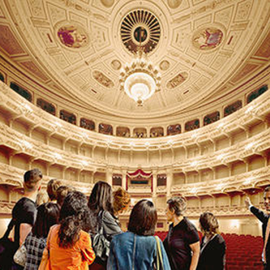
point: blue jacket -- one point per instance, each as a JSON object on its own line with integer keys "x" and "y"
{"x": 134, "y": 252}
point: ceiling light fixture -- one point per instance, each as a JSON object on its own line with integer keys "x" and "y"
{"x": 140, "y": 79}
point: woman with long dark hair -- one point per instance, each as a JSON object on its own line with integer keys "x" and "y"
{"x": 137, "y": 248}
{"x": 69, "y": 244}
{"x": 35, "y": 242}
{"x": 101, "y": 207}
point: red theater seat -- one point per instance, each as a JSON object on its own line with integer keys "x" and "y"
{"x": 243, "y": 251}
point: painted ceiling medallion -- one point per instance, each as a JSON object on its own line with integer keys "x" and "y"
{"x": 140, "y": 28}
{"x": 72, "y": 35}
{"x": 207, "y": 39}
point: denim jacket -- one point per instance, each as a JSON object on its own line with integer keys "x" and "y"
{"x": 129, "y": 251}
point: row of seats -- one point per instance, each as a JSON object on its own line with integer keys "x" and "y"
{"x": 243, "y": 251}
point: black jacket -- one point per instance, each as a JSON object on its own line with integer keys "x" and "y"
{"x": 263, "y": 217}
{"x": 212, "y": 255}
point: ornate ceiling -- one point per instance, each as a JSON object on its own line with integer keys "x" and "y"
{"x": 76, "y": 48}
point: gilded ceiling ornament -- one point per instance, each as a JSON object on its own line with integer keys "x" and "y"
{"x": 107, "y": 3}
{"x": 174, "y": 3}
{"x": 102, "y": 79}
{"x": 164, "y": 65}
{"x": 140, "y": 28}
{"x": 116, "y": 64}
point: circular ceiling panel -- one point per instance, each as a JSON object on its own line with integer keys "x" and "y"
{"x": 140, "y": 28}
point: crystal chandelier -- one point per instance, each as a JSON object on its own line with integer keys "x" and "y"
{"x": 140, "y": 79}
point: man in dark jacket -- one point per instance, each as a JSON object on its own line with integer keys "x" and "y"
{"x": 264, "y": 218}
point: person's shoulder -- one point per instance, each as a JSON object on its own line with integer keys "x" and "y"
{"x": 122, "y": 237}
{"x": 27, "y": 203}
{"x": 219, "y": 239}
{"x": 54, "y": 229}
{"x": 24, "y": 206}
{"x": 84, "y": 236}
{"x": 21, "y": 202}
{"x": 107, "y": 216}
{"x": 189, "y": 225}
{"x": 149, "y": 239}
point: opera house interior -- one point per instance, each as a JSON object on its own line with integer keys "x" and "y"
{"x": 162, "y": 98}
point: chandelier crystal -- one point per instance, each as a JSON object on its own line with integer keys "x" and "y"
{"x": 140, "y": 79}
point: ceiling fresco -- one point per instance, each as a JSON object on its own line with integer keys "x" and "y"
{"x": 203, "y": 48}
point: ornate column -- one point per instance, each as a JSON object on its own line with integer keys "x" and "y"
{"x": 109, "y": 176}
{"x": 154, "y": 187}
{"x": 124, "y": 178}
{"x": 169, "y": 183}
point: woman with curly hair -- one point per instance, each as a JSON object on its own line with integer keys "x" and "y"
{"x": 102, "y": 213}
{"x": 121, "y": 201}
{"x": 213, "y": 247}
{"x": 69, "y": 244}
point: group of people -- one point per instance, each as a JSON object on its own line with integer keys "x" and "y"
{"x": 65, "y": 231}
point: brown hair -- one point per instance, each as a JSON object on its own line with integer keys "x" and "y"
{"x": 31, "y": 178}
{"x": 121, "y": 200}
{"x": 178, "y": 204}
{"x": 143, "y": 218}
{"x": 52, "y": 187}
{"x": 62, "y": 192}
{"x": 101, "y": 198}
{"x": 47, "y": 216}
{"x": 74, "y": 217}
{"x": 209, "y": 223}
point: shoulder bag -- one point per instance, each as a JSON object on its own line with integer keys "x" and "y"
{"x": 20, "y": 255}
{"x": 101, "y": 245}
{"x": 7, "y": 248}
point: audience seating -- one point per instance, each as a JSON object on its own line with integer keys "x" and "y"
{"x": 243, "y": 251}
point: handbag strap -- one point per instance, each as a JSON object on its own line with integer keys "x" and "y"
{"x": 9, "y": 228}
{"x": 100, "y": 221}
{"x": 159, "y": 255}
